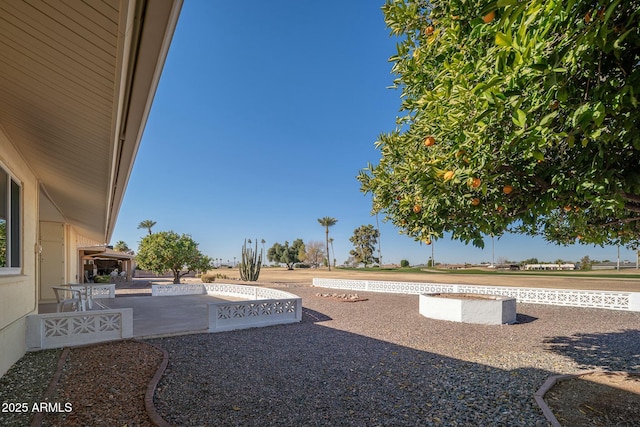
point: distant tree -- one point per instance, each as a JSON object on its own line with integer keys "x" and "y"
{"x": 286, "y": 254}
{"x": 404, "y": 263}
{"x": 530, "y": 261}
{"x": 327, "y": 222}
{"x": 351, "y": 262}
{"x": 502, "y": 260}
{"x": 364, "y": 240}
{"x": 168, "y": 251}
{"x": 147, "y": 223}
{"x": 121, "y": 246}
{"x": 586, "y": 263}
{"x": 332, "y": 251}
{"x": 314, "y": 253}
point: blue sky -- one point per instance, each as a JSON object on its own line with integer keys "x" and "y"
{"x": 265, "y": 113}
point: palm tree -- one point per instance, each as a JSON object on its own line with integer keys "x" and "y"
{"x": 333, "y": 252}
{"x": 327, "y": 222}
{"x": 121, "y": 246}
{"x": 147, "y": 223}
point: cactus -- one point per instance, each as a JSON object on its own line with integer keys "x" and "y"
{"x": 251, "y": 262}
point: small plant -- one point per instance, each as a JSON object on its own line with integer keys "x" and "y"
{"x": 251, "y": 262}
{"x": 210, "y": 278}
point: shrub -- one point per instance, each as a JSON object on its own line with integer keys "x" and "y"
{"x": 404, "y": 263}
{"x": 210, "y": 277}
{"x": 207, "y": 277}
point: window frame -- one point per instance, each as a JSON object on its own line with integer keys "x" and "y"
{"x": 13, "y": 224}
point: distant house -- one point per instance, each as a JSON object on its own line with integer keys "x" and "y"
{"x": 77, "y": 82}
{"x": 566, "y": 266}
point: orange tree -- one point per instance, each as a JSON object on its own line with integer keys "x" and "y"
{"x": 517, "y": 115}
{"x": 170, "y": 251}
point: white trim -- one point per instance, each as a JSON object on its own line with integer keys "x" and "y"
{"x": 10, "y": 271}
{"x": 12, "y": 178}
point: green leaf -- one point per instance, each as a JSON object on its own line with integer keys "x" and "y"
{"x": 548, "y": 118}
{"x": 519, "y": 118}
{"x": 503, "y": 40}
{"x": 538, "y": 155}
{"x": 505, "y": 3}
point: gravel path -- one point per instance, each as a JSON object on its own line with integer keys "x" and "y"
{"x": 367, "y": 363}
{"x": 379, "y": 362}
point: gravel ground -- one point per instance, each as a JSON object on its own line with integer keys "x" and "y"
{"x": 25, "y": 383}
{"x": 379, "y": 362}
{"x": 366, "y": 363}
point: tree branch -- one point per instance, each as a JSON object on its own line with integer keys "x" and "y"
{"x": 632, "y": 208}
{"x": 631, "y": 197}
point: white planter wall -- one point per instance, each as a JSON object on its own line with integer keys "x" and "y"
{"x": 263, "y": 306}
{"x": 628, "y": 301}
{"x": 55, "y": 330}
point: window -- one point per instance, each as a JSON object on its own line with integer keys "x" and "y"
{"x": 9, "y": 222}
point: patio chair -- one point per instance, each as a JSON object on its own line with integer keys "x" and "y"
{"x": 67, "y": 296}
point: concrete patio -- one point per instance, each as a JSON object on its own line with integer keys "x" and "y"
{"x": 161, "y": 316}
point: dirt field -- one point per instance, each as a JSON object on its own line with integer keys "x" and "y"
{"x": 572, "y": 280}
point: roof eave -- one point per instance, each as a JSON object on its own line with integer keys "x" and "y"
{"x": 149, "y": 37}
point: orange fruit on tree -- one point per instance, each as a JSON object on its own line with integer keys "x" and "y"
{"x": 568, "y": 208}
{"x": 489, "y": 17}
{"x": 429, "y": 30}
{"x": 427, "y": 242}
{"x": 448, "y": 175}
{"x": 507, "y": 189}
{"x": 417, "y": 209}
{"x": 475, "y": 182}
{"x": 429, "y": 141}
{"x": 500, "y": 208}
{"x": 587, "y": 17}
{"x": 475, "y": 201}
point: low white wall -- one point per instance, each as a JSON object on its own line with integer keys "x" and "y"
{"x": 628, "y": 301}
{"x": 179, "y": 289}
{"x": 490, "y": 311}
{"x": 232, "y": 290}
{"x": 263, "y": 306}
{"x": 228, "y": 316}
{"x": 55, "y": 330}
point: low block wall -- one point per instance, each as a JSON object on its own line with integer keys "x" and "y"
{"x": 179, "y": 289}
{"x": 107, "y": 290}
{"x": 628, "y": 301}
{"x": 55, "y": 330}
{"x": 263, "y": 306}
{"x": 496, "y": 310}
{"x": 227, "y": 316}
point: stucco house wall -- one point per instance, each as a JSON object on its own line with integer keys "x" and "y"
{"x": 18, "y": 292}
{"x": 74, "y": 101}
